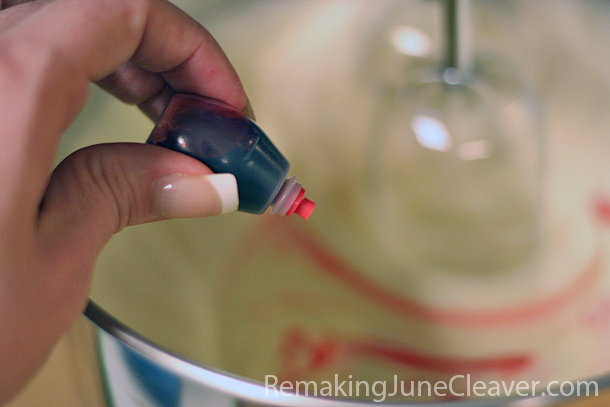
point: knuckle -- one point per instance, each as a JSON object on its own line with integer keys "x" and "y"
{"x": 12, "y": 69}
{"x": 26, "y": 63}
{"x": 133, "y": 14}
{"x": 33, "y": 73}
{"x": 104, "y": 179}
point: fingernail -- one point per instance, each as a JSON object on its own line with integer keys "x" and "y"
{"x": 194, "y": 196}
{"x": 248, "y": 110}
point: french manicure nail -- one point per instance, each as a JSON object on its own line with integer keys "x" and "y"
{"x": 192, "y": 196}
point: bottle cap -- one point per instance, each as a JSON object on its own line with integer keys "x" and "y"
{"x": 302, "y": 206}
{"x": 291, "y": 199}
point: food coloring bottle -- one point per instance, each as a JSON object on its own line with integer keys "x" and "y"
{"x": 227, "y": 141}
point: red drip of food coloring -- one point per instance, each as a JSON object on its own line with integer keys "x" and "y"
{"x": 301, "y": 206}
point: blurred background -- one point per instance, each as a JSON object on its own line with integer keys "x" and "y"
{"x": 462, "y": 188}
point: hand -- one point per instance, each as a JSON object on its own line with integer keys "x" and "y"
{"x": 54, "y": 223}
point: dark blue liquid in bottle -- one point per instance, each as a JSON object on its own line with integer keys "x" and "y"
{"x": 229, "y": 142}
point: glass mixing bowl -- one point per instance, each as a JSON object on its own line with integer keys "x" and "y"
{"x": 427, "y": 259}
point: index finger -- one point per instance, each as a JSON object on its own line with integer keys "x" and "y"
{"x": 101, "y": 35}
{"x": 50, "y": 56}
{"x": 192, "y": 61}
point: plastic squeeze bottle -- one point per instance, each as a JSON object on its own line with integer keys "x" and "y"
{"x": 227, "y": 141}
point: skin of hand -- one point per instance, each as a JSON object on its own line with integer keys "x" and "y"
{"x": 55, "y": 221}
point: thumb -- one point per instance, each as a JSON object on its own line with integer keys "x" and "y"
{"x": 92, "y": 194}
{"x": 99, "y": 190}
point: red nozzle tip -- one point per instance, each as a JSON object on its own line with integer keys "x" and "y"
{"x": 305, "y": 208}
{"x": 302, "y": 206}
